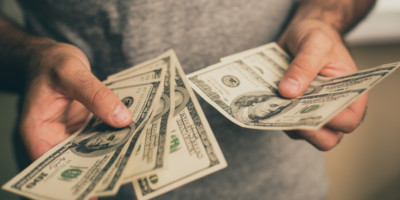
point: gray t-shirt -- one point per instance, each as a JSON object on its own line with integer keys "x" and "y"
{"x": 118, "y": 34}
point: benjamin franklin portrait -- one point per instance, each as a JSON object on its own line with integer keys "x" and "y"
{"x": 259, "y": 106}
{"x": 101, "y": 139}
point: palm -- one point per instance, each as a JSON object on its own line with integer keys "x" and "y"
{"x": 61, "y": 91}
{"x": 50, "y": 118}
{"x": 318, "y": 49}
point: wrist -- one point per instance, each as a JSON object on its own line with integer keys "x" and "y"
{"x": 342, "y": 15}
{"x": 17, "y": 46}
{"x": 334, "y": 16}
{"x": 298, "y": 32}
{"x": 27, "y": 48}
{"x": 28, "y": 55}
{"x": 16, "y": 52}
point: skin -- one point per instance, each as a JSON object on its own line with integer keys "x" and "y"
{"x": 314, "y": 37}
{"x": 60, "y": 90}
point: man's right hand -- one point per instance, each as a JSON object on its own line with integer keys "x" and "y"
{"x": 60, "y": 92}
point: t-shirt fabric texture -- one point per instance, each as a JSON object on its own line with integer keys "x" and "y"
{"x": 116, "y": 34}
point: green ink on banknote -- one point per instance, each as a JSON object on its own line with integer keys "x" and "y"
{"x": 174, "y": 144}
{"x": 70, "y": 174}
{"x": 309, "y": 109}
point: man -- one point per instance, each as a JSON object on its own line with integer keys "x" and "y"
{"x": 112, "y": 35}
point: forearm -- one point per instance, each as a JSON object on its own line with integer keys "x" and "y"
{"x": 340, "y": 14}
{"x": 16, "y": 50}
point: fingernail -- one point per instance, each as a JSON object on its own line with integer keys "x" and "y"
{"x": 121, "y": 114}
{"x": 290, "y": 85}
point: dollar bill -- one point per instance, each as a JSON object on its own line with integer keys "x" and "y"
{"x": 95, "y": 160}
{"x": 268, "y": 61}
{"x": 111, "y": 182}
{"x": 150, "y": 155}
{"x": 242, "y": 89}
{"x": 194, "y": 151}
{"x": 270, "y": 53}
{"x": 146, "y": 66}
{"x": 76, "y": 166}
{"x": 362, "y": 80}
{"x": 169, "y": 143}
{"x": 146, "y": 76}
{"x": 261, "y": 110}
{"x": 152, "y": 72}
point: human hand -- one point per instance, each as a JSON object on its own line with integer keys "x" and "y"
{"x": 318, "y": 49}
{"x": 60, "y": 93}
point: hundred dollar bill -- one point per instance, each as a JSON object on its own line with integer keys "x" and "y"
{"x": 145, "y": 76}
{"x": 146, "y": 66}
{"x": 151, "y": 72}
{"x": 150, "y": 154}
{"x": 243, "y": 95}
{"x": 262, "y": 110}
{"x": 72, "y": 169}
{"x": 111, "y": 182}
{"x": 194, "y": 151}
{"x": 360, "y": 80}
{"x": 271, "y": 51}
{"x": 384, "y": 69}
{"x": 268, "y": 61}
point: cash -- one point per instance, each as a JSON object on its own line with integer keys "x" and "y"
{"x": 169, "y": 142}
{"x": 73, "y": 169}
{"x": 244, "y": 88}
{"x": 193, "y": 152}
{"x": 168, "y": 130}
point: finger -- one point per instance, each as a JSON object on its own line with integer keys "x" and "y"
{"x": 348, "y": 119}
{"x": 41, "y": 138}
{"x": 294, "y": 135}
{"x": 75, "y": 117}
{"x": 303, "y": 69}
{"x": 82, "y": 85}
{"x": 323, "y": 139}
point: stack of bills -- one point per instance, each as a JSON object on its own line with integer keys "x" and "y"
{"x": 168, "y": 144}
{"x": 244, "y": 88}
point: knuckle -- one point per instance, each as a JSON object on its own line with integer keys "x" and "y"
{"x": 327, "y": 145}
{"x": 64, "y": 64}
{"x": 350, "y": 127}
{"x": 84, "y": 79}
{"x": 302, "y": 67}
{"x": 293, "y": 135}
{"x": 100, "y": 96}
{"x": 324, "y": 143}
{"x": 320, "y": 37}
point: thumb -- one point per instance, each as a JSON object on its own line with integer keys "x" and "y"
{"x": 303, "y": 69}
{"x": 81, "y": 84}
